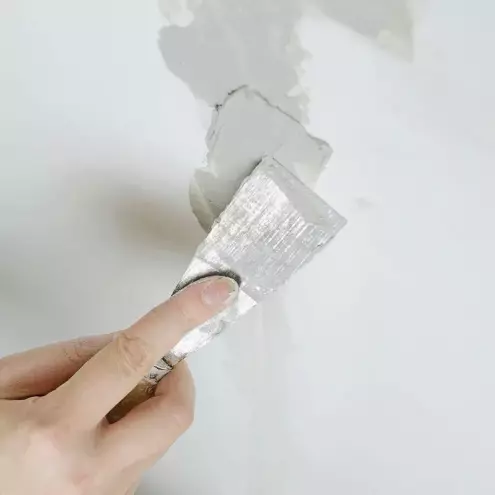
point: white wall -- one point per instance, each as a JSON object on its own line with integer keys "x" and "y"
{"x": 375, "y": 369}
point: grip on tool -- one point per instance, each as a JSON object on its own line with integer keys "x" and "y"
{"x": 141, "y": 393}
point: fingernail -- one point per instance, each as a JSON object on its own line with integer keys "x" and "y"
{"x": 219, "y": 290}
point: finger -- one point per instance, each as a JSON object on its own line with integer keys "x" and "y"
{"x": 107, "y": 378}
{"x": 39, "y": 371}
{"x": 149, "y": 430}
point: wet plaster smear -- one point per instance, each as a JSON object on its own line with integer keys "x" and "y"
{"x": 219, "y": 46}
{"x": 243, "y": 129}
{"x": 215, "y": 46}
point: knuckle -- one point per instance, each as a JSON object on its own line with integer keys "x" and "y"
{"x": 44, "y": 438}
{"x": 132, "y": 353}
{"x": 77, "y": 351}
{"x": 45, "y": 441}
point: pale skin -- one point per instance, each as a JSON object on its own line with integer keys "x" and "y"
{"x": 54, "y": 435}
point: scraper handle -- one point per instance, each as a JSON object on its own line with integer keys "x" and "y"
{"x": 141, "y": 393}
{"x": 145, "y": 389}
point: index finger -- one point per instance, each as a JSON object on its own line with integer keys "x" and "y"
{"x": 110, "y": 375}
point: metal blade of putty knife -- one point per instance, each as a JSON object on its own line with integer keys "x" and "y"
{"x": 272, "y": 227}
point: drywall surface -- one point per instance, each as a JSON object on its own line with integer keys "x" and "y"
{"x": 389, "y": 22}
{"x": 379, "y": 376}
{"x": 216, "y": 46}
{"x": 244, "y": 129}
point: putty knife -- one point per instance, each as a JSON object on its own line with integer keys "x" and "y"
{"x": 273, "y": 226}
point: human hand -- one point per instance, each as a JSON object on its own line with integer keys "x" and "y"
{"x": 54, "y": 435}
